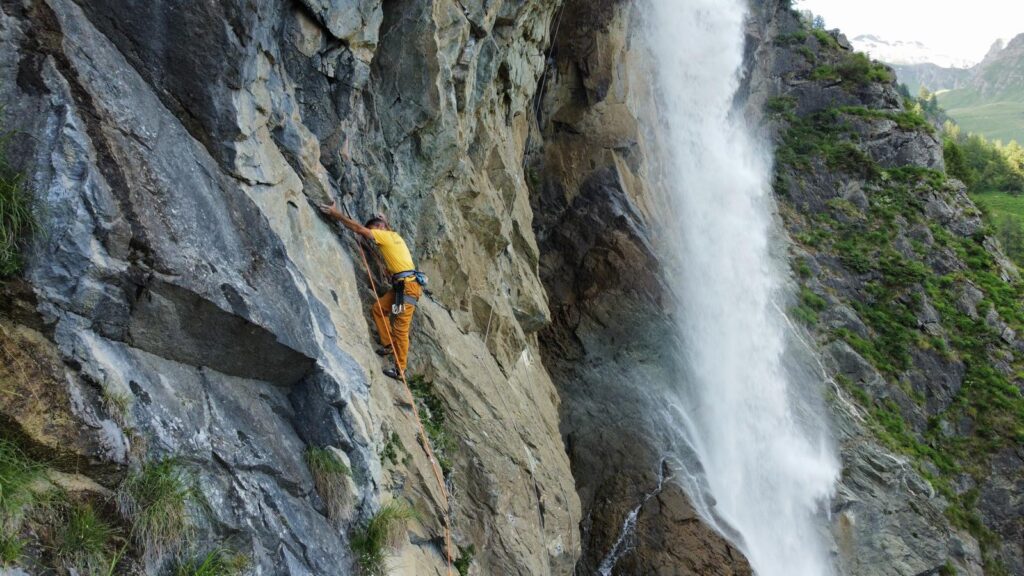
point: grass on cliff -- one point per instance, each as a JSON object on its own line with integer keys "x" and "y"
{"x": 330, "y": 476}
{"x": 809, "y": 307}
{"x": 157, "y": 500}
{"x": 432, "y": 416}
{"x": 381, "y": 536}
{"x": 11, "y": 548}
{"x": 892, "y": 287}
{"x": 18, "y": 474}
{"x": 217, "y": 562}
{"x": 16, "y": 218}
{"x": 72, "y": 533}
{"x": 465, "y": 560}
{"x": 832, "y": 62}
{"x": 85, "y": 542}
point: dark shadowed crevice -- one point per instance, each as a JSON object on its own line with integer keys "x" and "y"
{"x": 178, "y": 324}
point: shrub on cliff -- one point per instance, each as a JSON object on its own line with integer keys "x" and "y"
{"x": 861, "y": 70}
{"x": 432, "y": 416}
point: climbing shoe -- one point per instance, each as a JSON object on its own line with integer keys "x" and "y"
{"x": 385, "y": 351}
{"x": 392, "y": 373}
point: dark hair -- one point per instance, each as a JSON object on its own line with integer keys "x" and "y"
{"x": 374, "y": 221}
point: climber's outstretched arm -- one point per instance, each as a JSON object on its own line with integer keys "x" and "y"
{"x": 331, "y": 211}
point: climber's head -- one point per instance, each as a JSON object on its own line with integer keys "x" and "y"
{"x": 377, "y": 223}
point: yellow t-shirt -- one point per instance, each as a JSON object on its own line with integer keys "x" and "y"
{"x": 396, "y": 254}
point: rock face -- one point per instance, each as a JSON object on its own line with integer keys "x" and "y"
{"x": 905, "y": 296}
{"x": 184, "y": 298}
{"x": 177, "y": 152}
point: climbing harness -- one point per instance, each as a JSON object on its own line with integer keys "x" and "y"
{"x": 398, "y": 285}
{"x": 424, "y": 440}
{"x": 399, "y": 305}
{"x": 420, "y": 277}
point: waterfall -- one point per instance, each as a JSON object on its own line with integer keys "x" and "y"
{"x": 745, "y": 406}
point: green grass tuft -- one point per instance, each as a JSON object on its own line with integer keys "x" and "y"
{"x": 826, "y": 39}
{"x": 330, "y": 476}
{"x": 382, "y": 535}
{"x": 17, "y": 475}
{"x": 156, "y": 501}
{"x": 11, "y": 547}
{"x": 465, "y": 560}
{"x": 17, "y": 221}
{"x": 84, "y": 541}
{"x": 218, "y": 562}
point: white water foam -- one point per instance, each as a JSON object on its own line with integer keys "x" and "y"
{"x": 751, "y": 416}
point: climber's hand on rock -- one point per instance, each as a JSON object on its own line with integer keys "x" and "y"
{"x": 331, "y": 210}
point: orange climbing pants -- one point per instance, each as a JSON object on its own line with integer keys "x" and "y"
{"x": 399, "y": 323}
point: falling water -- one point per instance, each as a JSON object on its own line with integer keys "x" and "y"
{"x": 744, "y": 406}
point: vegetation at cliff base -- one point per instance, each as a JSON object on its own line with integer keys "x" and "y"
{"x": 330, "y": 476}
{"x": 1006, "y": 212}
{"x": 382, "y": 535}
{"x": 983, "y": 165}
{"x": 994, "y": 175}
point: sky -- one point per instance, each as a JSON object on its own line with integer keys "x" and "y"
{"x": 963, "y": 29}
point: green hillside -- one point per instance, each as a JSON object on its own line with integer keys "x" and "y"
{"x": 1000, "y": 120}
{"x": 991, "y": 102}
{"x": 1006, "y": 214}
{"x": 1001, "y": 205}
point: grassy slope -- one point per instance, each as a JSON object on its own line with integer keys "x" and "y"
{"x": 1000, "y": 204}
{"x": 994, "y": 120}
{"x": 997, "y": 118}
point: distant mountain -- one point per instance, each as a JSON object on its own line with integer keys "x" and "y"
{"x": 991, "y": 100}
{"x": 987, "y": 98}
{"x": 931, "y": 76}
{"x": 899, "y": 52}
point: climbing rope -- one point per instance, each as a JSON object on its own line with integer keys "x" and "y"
{"x": 424, "y": 439}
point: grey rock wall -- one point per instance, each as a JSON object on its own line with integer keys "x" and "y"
{"x": 177, "y": 150}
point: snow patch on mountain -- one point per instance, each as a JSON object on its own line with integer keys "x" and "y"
{"x": 903, "y": 52}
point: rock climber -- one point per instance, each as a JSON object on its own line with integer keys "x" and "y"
{"x": 406, "y": 287}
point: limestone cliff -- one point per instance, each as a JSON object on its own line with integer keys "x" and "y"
{"x": 184, "y": 299}
{"x": 181, "y": 268}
